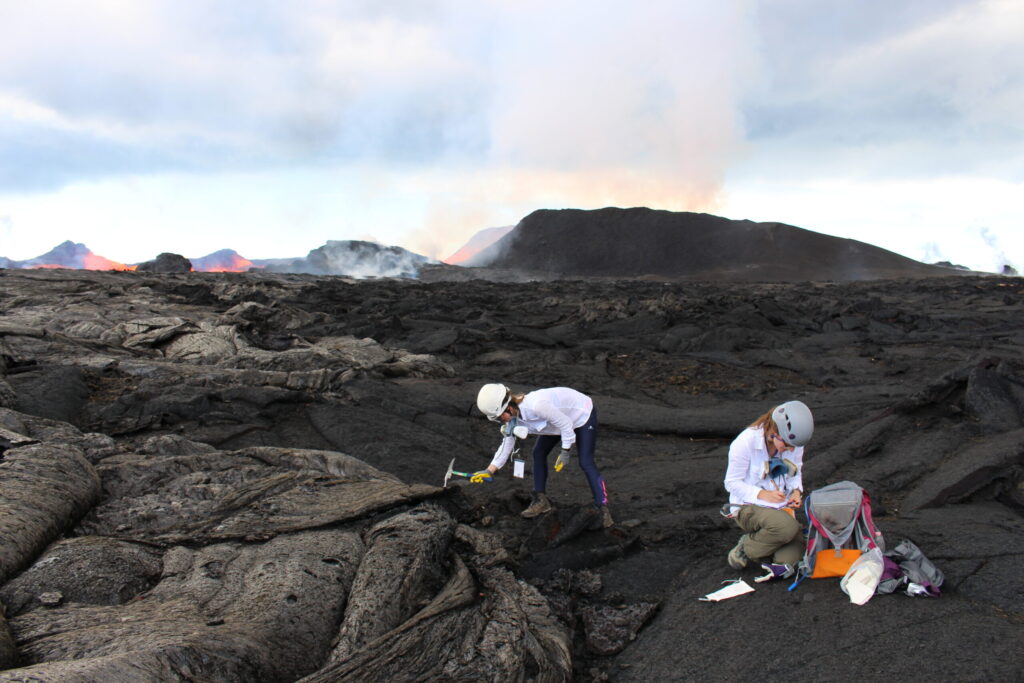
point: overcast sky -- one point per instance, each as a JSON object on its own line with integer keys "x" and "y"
{"x": 269, "y": 127}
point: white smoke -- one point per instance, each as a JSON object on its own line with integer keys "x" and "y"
{"x": 932, "y": 253}
{"x": 357, "y": 259}
{"x": 6, "y": 231}
{"x": 999, "y": 256}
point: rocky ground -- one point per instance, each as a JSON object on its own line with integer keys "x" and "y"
{"x": 238, "y": 477}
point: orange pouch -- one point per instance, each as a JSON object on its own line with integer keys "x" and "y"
{"x": 827, "y": 563}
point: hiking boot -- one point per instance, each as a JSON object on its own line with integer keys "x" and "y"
{"x": 539, "y": 504}
{"x": 737, "y": 557}
{"x": 602, "y": 518}
{"x": 775, "y": 571}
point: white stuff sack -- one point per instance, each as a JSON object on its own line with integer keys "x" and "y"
{"x": 863, "y": 576}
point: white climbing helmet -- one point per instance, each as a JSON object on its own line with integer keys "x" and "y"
{"x": 794, "y": 421}
{"x": 492, "y": 400}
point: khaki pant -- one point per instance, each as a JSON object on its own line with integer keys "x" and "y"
{"x": 771, "y": 534}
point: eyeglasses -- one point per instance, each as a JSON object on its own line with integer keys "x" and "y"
{"x": 497, "y": 418}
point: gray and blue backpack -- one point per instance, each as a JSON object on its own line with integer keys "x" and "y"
{"x": 840, "y": 528}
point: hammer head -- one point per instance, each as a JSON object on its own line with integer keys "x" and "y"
{"x": 448, "y": 474}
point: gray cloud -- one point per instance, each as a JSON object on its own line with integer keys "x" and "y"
{"x": 205, "y": 86}
{"x": 933, "y": 89}
{"x": 165, "y": 85}
{"x": 668, "y": 88}
{"x": 37, "y": 159}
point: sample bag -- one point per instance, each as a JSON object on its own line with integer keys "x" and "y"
{"x": 733, "y": 588}
{"x": 862, "y": 578}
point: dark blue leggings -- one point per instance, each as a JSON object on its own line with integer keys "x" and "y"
{"x": 586, "y": 440}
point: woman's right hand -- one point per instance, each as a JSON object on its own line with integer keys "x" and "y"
{"x": 771, "y": 496}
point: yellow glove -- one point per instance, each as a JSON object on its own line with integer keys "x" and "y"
{"x": 563, "y": 459}
{"x": 481, "y": 477}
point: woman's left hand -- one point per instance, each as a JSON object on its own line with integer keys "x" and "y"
{"x": 795, "y": 499}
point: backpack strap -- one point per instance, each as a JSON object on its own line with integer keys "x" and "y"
{"x": 873, "y": 534}
{"x": 806, "y": 566}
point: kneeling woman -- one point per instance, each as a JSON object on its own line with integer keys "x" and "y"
{"x": 765, "y": 484}
{"x": 555, "y": 415}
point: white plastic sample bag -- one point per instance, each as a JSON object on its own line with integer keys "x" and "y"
{"x": 862, "y": 577}
{"x": 735, "y": 587}
{"x": 518, "y": 468}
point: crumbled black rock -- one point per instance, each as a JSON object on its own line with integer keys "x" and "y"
{"x": 642, "y": 242}
{"x": 237, "y": 476}
{"x": 166, "y": 263}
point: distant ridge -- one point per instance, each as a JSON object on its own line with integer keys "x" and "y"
{"x": 67, "y": 254}
{"x": 573, "y": 243}
{"x": 223, "y": 260}
{"x": 641, "y": 242}
{"x": 349, "y": 258}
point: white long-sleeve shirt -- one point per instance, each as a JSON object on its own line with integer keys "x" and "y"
{"x": 554, "y": 411}
{"x": 747, "y": 473}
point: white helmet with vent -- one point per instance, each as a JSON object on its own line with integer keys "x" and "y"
{"x": 492, "y": 400}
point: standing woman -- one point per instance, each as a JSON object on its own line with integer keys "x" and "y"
{"x": 765, "y": 484}
{"x": 558, "y": 414}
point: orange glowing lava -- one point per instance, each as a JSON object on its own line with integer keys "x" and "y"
{"x": 231, "y": 264}
{"x": 478, "y": 243}
{"x": 461, "y": 255}
{"x": 87, "y": 262}
{"x": 91, "y": 261}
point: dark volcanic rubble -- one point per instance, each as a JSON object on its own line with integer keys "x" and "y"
{"x": 680, "y": 245}
{"x": 237, "y": 477}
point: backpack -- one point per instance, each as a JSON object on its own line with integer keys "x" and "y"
{"x": 839, "y": 529}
